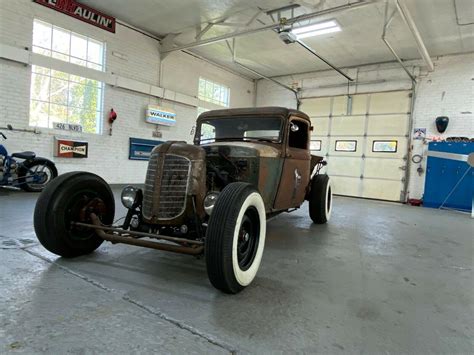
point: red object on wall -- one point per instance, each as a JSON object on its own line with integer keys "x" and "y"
{"x": 112, "y": 116}
{"x": 81, "y": 12}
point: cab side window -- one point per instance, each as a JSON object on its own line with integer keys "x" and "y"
{"x": 298, "y": 134}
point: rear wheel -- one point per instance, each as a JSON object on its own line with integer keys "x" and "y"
{"x": 35, "y": 174}
{"x": 72, "y": 197}
{"x": 320, "y": 199}
{"x": 235, "y": 237}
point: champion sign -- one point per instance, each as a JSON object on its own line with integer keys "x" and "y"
{"x": 81, "y": 12}
{"x": 65, "y": 148}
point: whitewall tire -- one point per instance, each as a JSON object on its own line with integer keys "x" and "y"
{"x": 235, "y": 237}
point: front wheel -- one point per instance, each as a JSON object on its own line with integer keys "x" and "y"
{"x": 235, "y": 237}
{"x": 320, "y": 199}
{"x": 35, "y": 174}
{"x": 72, "y": 197}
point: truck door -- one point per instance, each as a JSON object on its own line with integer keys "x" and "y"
{"x": 295, "y": 174}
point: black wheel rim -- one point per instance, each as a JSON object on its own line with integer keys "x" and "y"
{"x": 248, "y": 238}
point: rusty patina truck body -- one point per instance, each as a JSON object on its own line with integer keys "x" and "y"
{"x": 211, "y": 198}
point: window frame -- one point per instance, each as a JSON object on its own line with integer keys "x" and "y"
{"x": 203, "y": 96}
{"x": 320, "y": 145}
{"x": 48, "y": 73}
{"x": 49, "y": 52}
{"x": 385, "y": 151}
{"x": 344, "y": 150}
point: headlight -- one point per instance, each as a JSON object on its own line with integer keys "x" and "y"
{"x": 210, "y": 201}
{"x": 129, "y": 194}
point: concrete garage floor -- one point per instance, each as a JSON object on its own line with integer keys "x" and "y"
{"x": 380, "y": 278}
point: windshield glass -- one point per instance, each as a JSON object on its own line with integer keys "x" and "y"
{"x": 266, "y": 129}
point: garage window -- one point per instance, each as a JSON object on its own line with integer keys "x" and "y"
{"x": 58, "y": 43}
{"x": 315, "y": 146}
{"x": 346, "y": 146}
{"x": 61, "y": 97}
{"x": 213, "y": 92}
{"x": 384, "y": 146}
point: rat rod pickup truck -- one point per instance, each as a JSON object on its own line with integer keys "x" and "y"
{"x": 211, "y": 198}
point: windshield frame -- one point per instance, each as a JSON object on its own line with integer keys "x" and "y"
{"x": 198, "y": 141}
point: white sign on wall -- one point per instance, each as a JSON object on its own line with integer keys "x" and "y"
{"x": 160, "y": 115}
{"x": 67, "y": 126}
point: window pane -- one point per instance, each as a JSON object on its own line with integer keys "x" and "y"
{"x": 89, "y": 120}
{"x": 78, "y": 79}
{"x": 42, "y": 51}
{"x": 58, "y": 91}
{"x": 202, "y": 87}
{"x": 59, "y": 75}
{"x": 39, "y": 87}
{"x": 39, "y": 113}
{"x": 57, "y": 113}
{"x": 79, "y": 46}
{"x": 90, "y": 97}
{"x": 42, "y": 34}
{"x": 94, "y": 52}
{"x": 80, "y": 62}
{"x": 346, "y": 146}
{"x": 60, "y": 56}
{"x": 74, "y": 115}
{"x": 40, "y": 70}
{"x": 76, "y": 94}
{"x": 94, "y": 66}
{"x": 384, "y": 146}
{"x": 61, "y": 40}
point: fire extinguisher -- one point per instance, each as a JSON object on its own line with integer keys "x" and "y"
{"x": 112, "y": 118}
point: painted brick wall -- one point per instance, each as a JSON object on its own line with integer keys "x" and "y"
{"x": 449, "y": 90}
{"x": 108, "y": 155}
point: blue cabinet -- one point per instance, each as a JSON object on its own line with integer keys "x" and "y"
{"x": 449, "y": 178}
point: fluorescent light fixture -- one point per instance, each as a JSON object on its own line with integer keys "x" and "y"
{"x": 317, "y": 29}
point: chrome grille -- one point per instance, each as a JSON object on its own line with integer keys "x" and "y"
{"x": 166, "y": 186}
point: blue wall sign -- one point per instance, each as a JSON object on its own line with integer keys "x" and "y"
{"x": 140, "y": 149}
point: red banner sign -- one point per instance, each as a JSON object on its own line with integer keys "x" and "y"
{"x": 66, "y": 148}
{"x": 81, "y": 12}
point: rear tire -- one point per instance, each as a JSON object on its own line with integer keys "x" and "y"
{"x": 235, "y": 238}
{"x": 61, "y": 203}
{"x": 24, "y": 174}
{"x": 320, "y": 199}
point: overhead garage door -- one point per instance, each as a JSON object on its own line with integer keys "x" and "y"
{"x": 364, "y": 138}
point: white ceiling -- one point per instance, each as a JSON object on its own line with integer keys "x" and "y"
{"x": 358, "y": 43}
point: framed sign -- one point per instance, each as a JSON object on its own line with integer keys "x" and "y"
{"x": 69, "y": 148}
{"x": 81, "y": 12}
{"x": 160, "y": 115}
{"x": 140, "y": 149}
{"x": 346, "y": 146}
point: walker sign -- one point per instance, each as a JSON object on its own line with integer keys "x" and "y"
{"x": 81, "y": 12}
{"x": 66, "y": 148}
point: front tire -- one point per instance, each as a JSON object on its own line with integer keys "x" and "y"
{"x": 235, "y": 238}
{"x": 320, "y": 199}
{"x": 68, "y": 198}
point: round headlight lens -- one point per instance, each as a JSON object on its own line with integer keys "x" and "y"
{"x": 129, "y": 194}
{"x": 210, "y": 201}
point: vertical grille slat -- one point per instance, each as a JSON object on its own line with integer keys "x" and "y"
{"x": 166, "y": 186}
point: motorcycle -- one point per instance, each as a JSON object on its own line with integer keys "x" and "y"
{"x": 31, "y": 174}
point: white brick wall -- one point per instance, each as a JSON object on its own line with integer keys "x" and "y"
{"x": 108, "y": 155}
{"x": 449, "y": 91}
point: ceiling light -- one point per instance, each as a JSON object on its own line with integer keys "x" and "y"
{"x": 317, "y": 29}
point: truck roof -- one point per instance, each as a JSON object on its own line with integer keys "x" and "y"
{"x": 253, "y": 111}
